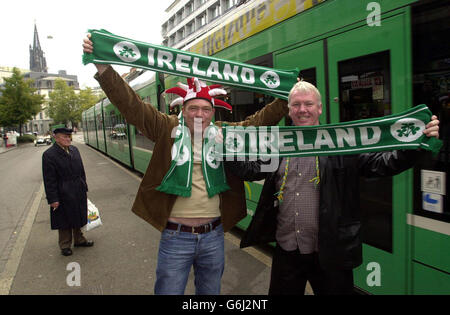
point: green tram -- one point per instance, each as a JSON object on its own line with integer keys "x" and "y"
{"x": 368, "y": 59}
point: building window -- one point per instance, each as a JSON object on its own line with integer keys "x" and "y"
{"x": 172, "y": 40}
{"x": 214, "y": 12}
{"x": 180, "y": 35}
{"x": 171, "y": 23}
{"x": 189, "y": 8}
{"x": 228, "y": 4}
{"x": 179, "y": 17}
{"x": 190, "y": 28}
{"x": 201, "y": 20}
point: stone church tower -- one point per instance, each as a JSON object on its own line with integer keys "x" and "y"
{"x": 37, "y": 59}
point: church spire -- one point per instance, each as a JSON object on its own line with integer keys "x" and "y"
{"x": 37, "y": 59}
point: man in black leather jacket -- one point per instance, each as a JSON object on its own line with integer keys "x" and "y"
{"x": 310, "y": 206}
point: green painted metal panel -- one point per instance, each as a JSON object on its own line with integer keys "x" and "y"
{"x": 142, "y": 158}
{"x": 92, "y": 126}
{"x": 427, "y": 280}
{"x": 431, "y": 248}
{"x": 317, "y": 22}
{"x": 306, "y": 57}
{"x": 391, "y": 37}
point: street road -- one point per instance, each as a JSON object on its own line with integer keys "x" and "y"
{"x": 20, "y": 181}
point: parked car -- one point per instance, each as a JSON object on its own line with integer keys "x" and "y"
{"x": 42, "y": 140}
{"x": 118, "y": 131}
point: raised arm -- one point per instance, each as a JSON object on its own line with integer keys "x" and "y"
{"x": 144, "y": 116}
{"x": 248, "y": 170}
{"x": 270, "y": 115}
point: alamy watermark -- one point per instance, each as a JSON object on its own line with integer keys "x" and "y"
{"x": 374, "y": 277}
{"x": 374, "y": 17}
{"x": 73, "y": 279}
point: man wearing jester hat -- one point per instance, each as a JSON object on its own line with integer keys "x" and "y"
{"x": 185, "y": 193}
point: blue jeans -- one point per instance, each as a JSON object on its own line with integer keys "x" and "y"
{"x": 178, "y": 251}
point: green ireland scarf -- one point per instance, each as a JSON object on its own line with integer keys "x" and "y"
{"x": 178, "y": 180}
{"x": 113, "y": 49}
{"x": 400, "y": 131}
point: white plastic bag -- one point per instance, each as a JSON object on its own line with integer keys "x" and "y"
{"x": 93, "y": 217}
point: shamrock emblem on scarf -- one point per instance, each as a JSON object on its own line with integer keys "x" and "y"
{"x": 407, "y": 129}
{"x": 127, "y": 52}
{"x": 270, "y": 79}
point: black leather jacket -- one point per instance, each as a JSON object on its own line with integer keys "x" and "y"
{"x": 340, "y": 245}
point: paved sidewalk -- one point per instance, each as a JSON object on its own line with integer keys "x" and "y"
{"x": 3, "y": 149}
{"x": 123, "y": 259}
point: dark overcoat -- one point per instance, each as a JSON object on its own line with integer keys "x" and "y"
{"x": 65, "y": 182}
{"x": 340, "y": 243}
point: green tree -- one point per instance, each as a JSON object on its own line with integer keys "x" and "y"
{"x": 62, "y": 103}
{"x": 66, "y": 106}
{"x": 18, "y": 101}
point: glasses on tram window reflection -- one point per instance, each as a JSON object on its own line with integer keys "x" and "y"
{"x": 195, "y": 109}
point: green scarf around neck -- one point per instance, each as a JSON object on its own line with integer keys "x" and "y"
{"x": 178, "y": 180}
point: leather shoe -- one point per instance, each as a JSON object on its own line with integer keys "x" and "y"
{"x": 88, "y": 243}
{"x": 66, "y": 251}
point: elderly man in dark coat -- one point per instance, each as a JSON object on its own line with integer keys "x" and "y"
{"x": 66, "y": 188}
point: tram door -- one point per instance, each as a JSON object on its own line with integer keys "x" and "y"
{"x": 368, "y": 71}
{"x": 309, "y": 60}
{"x": 363, "y": 72}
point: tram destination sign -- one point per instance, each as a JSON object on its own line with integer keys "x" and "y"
{"x": 113, "y": 49}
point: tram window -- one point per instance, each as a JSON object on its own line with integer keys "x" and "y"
{"x": 99, "y": 123}
{"x": 143, "y": 142}
{"x": 110, "y": 119}
{"x": 245, "y": 103}
{"x": 309, "y": 75}
{"x": 116, "y": 128}
{"x": 431, "y": 86}
{"x": 364, "y": 92}
{"x": 364, "y": 87}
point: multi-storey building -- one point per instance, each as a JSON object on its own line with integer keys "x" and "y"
{"x": 186, "y": 20}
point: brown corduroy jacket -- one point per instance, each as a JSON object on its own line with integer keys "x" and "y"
{"x": 154, "y": 206}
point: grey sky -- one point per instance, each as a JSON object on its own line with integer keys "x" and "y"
{"x": 67, "y": 23}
